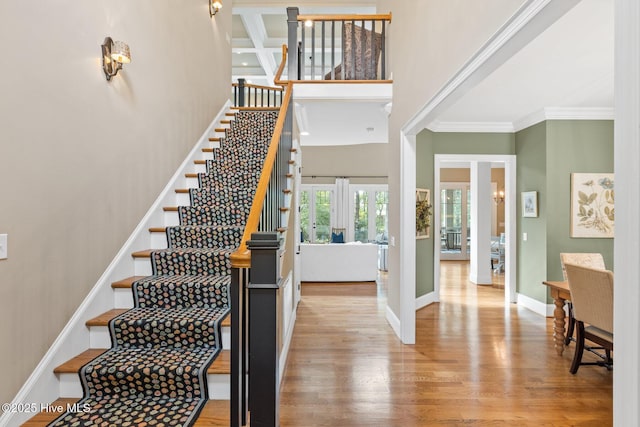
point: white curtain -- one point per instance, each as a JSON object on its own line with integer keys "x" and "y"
{"x": 342, "y": 203}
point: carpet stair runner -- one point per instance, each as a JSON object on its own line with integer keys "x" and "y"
{"x": 155, "y": 371}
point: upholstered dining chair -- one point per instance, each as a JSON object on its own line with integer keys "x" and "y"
{"x": 587, "y": 259}
{"x": 592, "y": 297}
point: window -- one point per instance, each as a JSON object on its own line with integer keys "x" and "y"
{"x": 316, "y": 213}
{"x": 369, "y": 213}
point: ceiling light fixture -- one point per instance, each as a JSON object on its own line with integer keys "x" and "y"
{"x": 214, "y": 7}
{"x": 308, "y": 23}
{"x": 114, "y": 55}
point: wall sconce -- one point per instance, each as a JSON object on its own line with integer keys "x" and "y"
{"x": 214, "y": 7}
{"x": 498, "y": 197}
{"x": 114, "y": 54}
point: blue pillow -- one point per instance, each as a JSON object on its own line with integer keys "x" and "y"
{"x": 337, "y": 237}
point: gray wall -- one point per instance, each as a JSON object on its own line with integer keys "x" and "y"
{"x": 82, "y": 159}
{"x": 368, "y": 161}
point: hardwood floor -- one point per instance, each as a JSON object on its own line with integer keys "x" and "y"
{"x": 475, "y": 362}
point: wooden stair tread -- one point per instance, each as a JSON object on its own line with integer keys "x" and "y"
{"x": 126, "y": 283}
{"x": 200, "y": 162}
{"x": 208, "y": 150}
{"x": 73, "y": 365}
{"x": 220, "y": 366}
{"x": 214, "y": 414}
{"x": 214, "y": 139}
{"x": 191, "y": 175}
{"x": 259, "y": 108}
{"x": 170, "y": 209}
{"x": 220, "y": 129}
{"x": 42, "y": 419}
{"x": 225, "y": 122}
{"x": 230, "y": 114}
{"x": 142, "y": 254}
{"x": 157, "y": 229}
{"x": 182, "y": 190}
{"x": 104, "y": 318}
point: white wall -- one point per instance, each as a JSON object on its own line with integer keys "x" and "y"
{"x": 82, "y": 159}
{"x": 426, "y": 47}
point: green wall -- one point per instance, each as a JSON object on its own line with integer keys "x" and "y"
{"x": 429, "y": 144}
{"x": 547, "y": 154}
{"x": 574, "y": 146}
{"x": 531, "y": 175}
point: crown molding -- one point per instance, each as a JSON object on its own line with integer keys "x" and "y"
{"x": 548, "y": 113}
{"x": 564, "y": 113}
{"x": 471, "y": 127}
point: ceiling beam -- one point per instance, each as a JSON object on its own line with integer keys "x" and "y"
{"x": 254, "y": 26}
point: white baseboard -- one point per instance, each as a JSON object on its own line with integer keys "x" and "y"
{"x": 42, "y": 386}
{"x": 536, "y": 306}
{"x": 393, "y": 321}
{"x": 425, "y": 300}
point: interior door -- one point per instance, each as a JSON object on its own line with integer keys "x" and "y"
{"x": 454, "y": 221}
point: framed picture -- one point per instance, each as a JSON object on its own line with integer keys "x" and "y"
{"x": 530, "y": 204}
{"x": 592, "y": 205}
{"x": 423, "y": 213}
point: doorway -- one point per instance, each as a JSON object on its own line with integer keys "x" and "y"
{"x": 443, "y": 161}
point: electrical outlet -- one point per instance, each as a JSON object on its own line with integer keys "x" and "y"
{"x": 3, "y": 246}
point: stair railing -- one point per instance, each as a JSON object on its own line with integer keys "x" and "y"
{"x": 256, "y": 96}
{"x": 337, "y": 47}
{"x": 264, "y": 216}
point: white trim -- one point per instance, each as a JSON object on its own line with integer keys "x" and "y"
{"x": 547, "y": 113}
{"x": 407, "y": 238}
{"x": 526, "y": 24}
{"x": 561, "y": 113}
{"x": 288, "y": 328}
{"x": 393, "y": 320}
{"x": 425, "y": 300}
{"x": 626, "y": 322}
{"x": 42, "y": 386}
{"x": 480, "y": 127}
{"x": 536, "y": 306}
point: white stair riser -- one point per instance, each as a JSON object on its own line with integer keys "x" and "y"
{"x": 192, "y": 183}
{"x": 219, "y": 386}
{"x": 158, "y": 240}
{"x": 99, "y": 337}
{"x": 123, "y": 298}
{"x": 142, "y": 266}
{"x": 171, "y": 218}
{"x": 183, "y": 199}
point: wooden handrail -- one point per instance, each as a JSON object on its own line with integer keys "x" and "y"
{"x": 276, "y": 79}
{"x": 251, "y": 85}
{"x": 241, "y": 258}
{"x": 376, "y": 17}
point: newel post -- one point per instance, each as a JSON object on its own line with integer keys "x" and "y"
{"x": 293, "y": 57}
{"x": 264, "y": 345}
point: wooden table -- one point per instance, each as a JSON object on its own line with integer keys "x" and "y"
{"x": 560, "y": 294}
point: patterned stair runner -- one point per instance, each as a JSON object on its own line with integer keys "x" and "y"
{"x": 155, "y": 373}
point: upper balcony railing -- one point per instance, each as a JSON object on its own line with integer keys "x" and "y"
{"x": 337, "y": 47}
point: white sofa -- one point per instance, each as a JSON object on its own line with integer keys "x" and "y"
{"x": 339, "y": 262}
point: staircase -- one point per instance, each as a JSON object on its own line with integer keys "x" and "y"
{"x": 163, "y": 361}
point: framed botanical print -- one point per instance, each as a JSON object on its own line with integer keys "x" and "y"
{"x": 592, "y": 205}
{"x": 530, "y": 204}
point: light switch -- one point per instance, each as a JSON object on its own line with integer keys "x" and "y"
{"x": 3, "y": 246}
{"x": 524, "y": 237}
